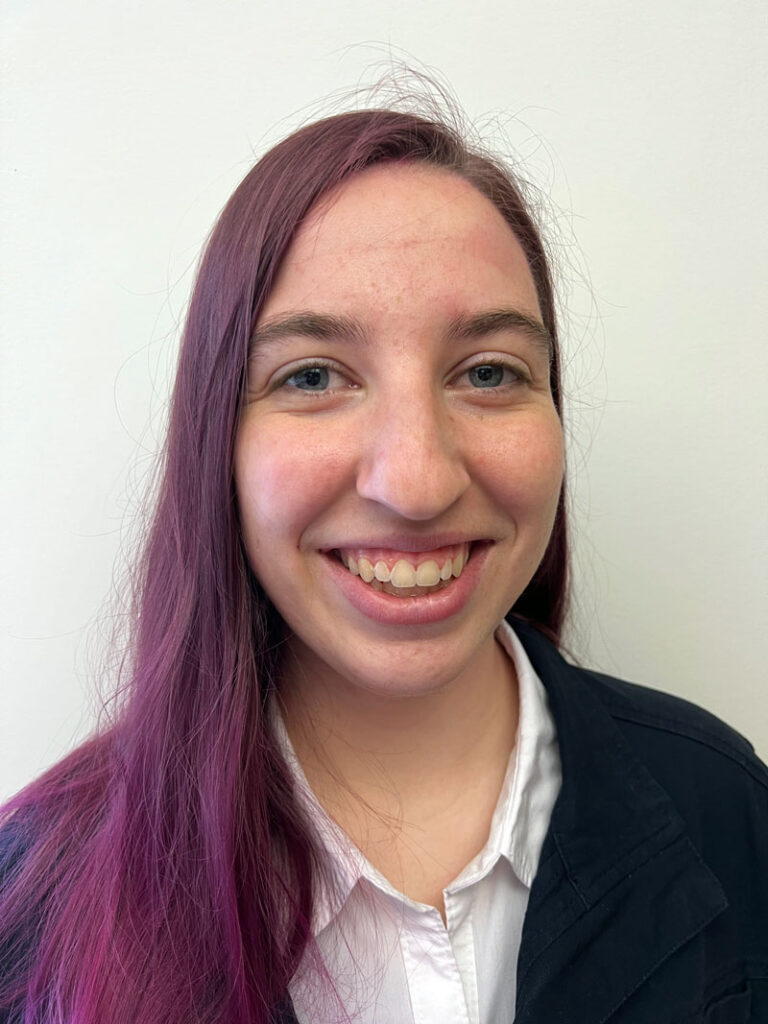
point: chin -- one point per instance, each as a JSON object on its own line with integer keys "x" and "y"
{"x": 396, "y": 668}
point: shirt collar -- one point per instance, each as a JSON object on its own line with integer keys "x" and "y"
{"x": 519, "y": 822}
{"x": 532, "y": 780}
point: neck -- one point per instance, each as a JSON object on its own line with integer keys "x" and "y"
{"x": 411, "y": 757}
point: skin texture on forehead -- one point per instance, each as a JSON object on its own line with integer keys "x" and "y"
{"x": 407, "y": 221}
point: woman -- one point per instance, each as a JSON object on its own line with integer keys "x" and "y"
{"x": 341, "y": 786}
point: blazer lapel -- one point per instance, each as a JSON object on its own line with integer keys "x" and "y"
{"x": 620, "y": 887}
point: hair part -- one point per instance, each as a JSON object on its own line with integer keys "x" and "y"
{"x": 163, "y": 871}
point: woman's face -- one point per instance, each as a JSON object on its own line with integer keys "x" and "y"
{"x": 399, "y": 423}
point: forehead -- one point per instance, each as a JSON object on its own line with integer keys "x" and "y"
{"x": 396, "y": 203}
{"x": 396, "y": 224}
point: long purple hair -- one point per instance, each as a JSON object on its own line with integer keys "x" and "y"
{"x": 162, "y": 872}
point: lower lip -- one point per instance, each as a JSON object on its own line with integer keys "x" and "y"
{"x": 409, "y": 611}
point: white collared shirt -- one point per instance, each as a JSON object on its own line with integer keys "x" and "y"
{"x": 391, "y": 959}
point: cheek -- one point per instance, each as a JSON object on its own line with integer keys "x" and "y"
{"x": 283, "y": 481}
{"x": 523, "y": 468}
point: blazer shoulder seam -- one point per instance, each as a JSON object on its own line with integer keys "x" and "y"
{"x": 717, "y": 736}
{"x": 689, "y": 731}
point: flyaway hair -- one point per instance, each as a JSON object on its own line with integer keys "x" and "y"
{"x": 162, "y": 872}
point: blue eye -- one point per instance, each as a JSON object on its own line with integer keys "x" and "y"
{"x": 487, "y": 375}
{"x": 310, "y": 378}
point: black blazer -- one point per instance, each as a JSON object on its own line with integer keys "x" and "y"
{"x": 650, "y": 905}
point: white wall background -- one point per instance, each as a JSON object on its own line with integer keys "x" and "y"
{"x": 125, "y": 127}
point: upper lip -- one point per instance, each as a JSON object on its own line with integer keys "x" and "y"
{"x": 407, "y": 542}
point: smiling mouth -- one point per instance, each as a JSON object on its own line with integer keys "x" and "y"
{"x": 407, "y": 576}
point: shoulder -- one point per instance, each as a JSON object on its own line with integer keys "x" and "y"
{"x": 660, "y": 722}
{"x": 661, "y": 828}
{"x": 712, "y": 773}
{"x": 655, "y": 723}
{"x": 718, "y": 786}
{"x": 714, "y": 778}
{"x": 653, "y": 783}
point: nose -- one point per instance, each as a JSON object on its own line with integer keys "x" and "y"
{"x": 412, "y": 461}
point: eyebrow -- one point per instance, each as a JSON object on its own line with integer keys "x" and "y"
{"x": 327, "y": 326}
{"x": 495, "y": 320}
{"x": 308, "y": 325}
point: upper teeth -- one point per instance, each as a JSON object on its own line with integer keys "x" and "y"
{"x": 403, "y": 573}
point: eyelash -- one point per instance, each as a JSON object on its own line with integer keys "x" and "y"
{"x": 309, "y": 365}
{"x": 520, "y": 375}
